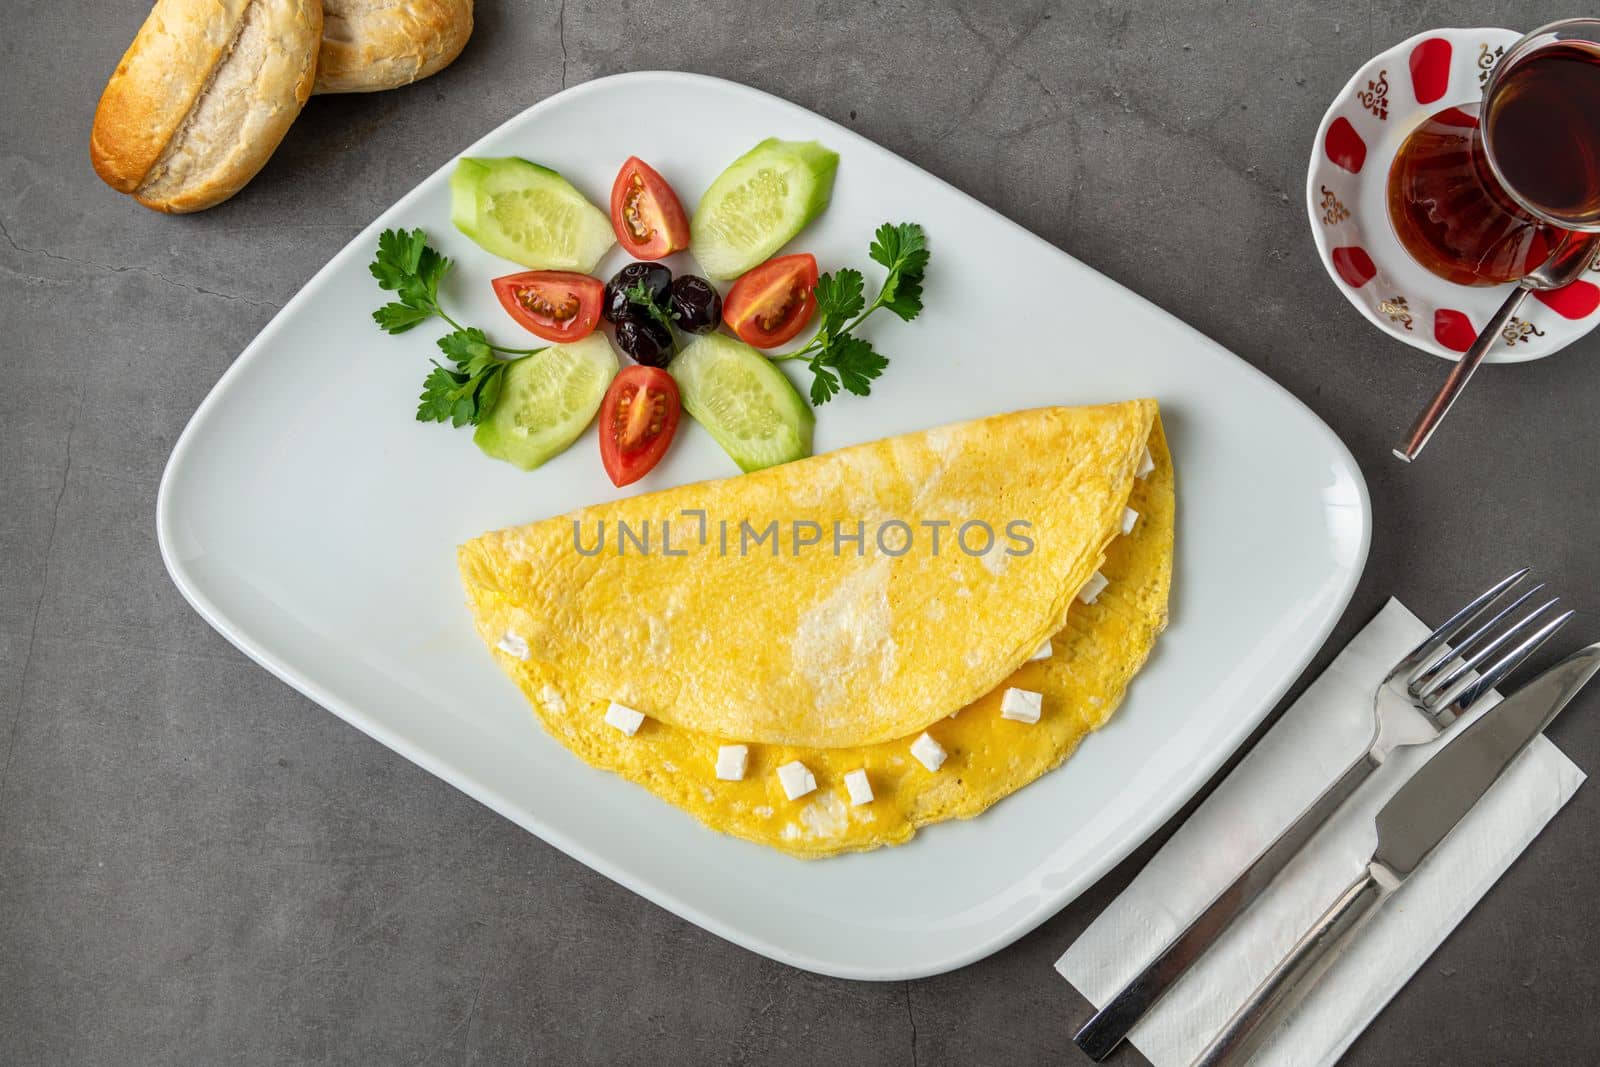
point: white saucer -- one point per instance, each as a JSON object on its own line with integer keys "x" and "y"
{"x": 1346, "y": 197}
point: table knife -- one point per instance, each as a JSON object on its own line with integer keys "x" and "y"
{"x": 1419, "y": 816}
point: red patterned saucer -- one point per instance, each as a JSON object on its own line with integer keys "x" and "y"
{"x": 1346, "y": 195}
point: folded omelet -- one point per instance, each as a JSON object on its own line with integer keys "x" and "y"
{"x": 904, "y": 586}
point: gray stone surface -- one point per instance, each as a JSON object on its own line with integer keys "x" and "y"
{"x": 199, "y": 866}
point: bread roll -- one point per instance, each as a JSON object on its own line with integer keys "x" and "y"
{"x": 202, "y": 97}
{"x": 369, "y": 45}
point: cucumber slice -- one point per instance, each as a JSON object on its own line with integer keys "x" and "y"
{"x": 764, "y": 198}
{"x": 547, "y": 400}
{"x": 529, "y": 214}
{"x": 748, "y": 404}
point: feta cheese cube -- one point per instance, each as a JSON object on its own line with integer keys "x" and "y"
{"x": 624, "y": 718}
{"x": 929, "y": 752}
{"x": 1130, "y": 519}
{"x": 512, "y": 645}
{"x": 1093, "y": 588}
{"x": 858, "y": 786}
{"x": 1021, "y": 705}
{"x": 796, "y": 780}
{"x": 1146, "y": 464}
{"x": 732, "y": 762}
{"x": 1045, "y": 651}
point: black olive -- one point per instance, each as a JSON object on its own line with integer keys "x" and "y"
{"x": 657, "y": 281}
{"x": 646, "y": 340}
{"x": 616, "y": 307}
{"x": 696, "y": 305}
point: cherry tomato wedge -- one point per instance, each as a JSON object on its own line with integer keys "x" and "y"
{"x": 771, "y": 303}
{"x": 557, "y": 305}
{"x": 638, "y": 417}
{"x": 646, "y": 214}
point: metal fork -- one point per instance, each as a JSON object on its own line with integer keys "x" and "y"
{"x": 1440, "y": 680}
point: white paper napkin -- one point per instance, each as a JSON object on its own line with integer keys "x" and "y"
{"x": 1305, "y": 750}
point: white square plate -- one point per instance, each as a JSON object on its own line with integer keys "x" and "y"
{"x": 309, "y": 519}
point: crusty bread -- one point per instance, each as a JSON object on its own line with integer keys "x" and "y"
{"x": 369, "y": 45}
{"x": 202, "y": 97}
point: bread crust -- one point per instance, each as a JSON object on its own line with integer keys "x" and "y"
{"x": 368, "y": 45}
{"x": 202, "y": 97}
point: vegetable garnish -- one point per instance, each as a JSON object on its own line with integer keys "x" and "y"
{"x": 638, "y": 417}
{"x": 556, "y": 305}
{"x": 646, "y": 213}
{"x": 839, "y": 359}
{"x": 642, "y": 298}
{"x": 769, "y": 305}
{"x": 465, "y": 393}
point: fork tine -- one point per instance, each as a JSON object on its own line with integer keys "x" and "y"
{"x": 1469, "y": 662}
{"x": 1422, "y": 678}
{"x": 1454, "y": 625}
{"x": 1467, "y": 691}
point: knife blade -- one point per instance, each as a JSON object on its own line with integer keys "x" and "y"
{"x": 1441, "y": 792}
{"x": 1415, "y": 820}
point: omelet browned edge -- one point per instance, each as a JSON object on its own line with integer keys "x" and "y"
{"x": 1083, "y": 682}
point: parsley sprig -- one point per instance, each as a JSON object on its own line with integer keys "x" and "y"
{"x": 836, "y": 356}
{"x": 466, "y": 391}
{"x": 640, "y": 296}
